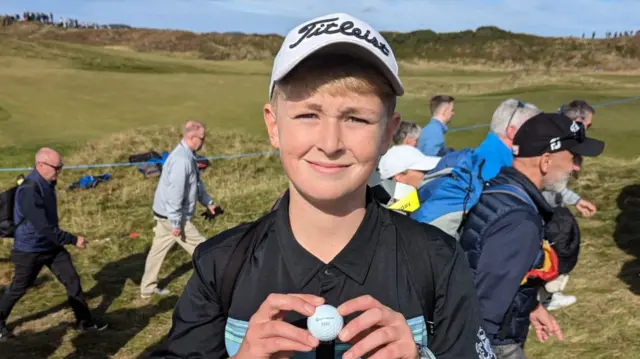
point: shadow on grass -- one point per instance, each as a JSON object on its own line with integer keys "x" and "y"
{"x": 146, "y": 354}
{"x": 110, "y": 283}
{"x": 627, "y": 235}
{"x": 35, "y": 344}
{"x": 125, "y": 324}
{"x": 39, "y": 281}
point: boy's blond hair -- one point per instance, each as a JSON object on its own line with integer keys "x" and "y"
{"x": 336, "y": 75}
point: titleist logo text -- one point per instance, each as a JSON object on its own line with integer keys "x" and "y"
{"x": 348, "y": 28}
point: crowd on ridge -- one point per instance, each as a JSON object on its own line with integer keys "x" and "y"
{"x": 48, "y": 19}
{"x": 483, "y": 258}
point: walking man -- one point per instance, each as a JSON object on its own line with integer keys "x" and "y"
{"x": 174, "y": 205}
{"x": 39, "y": 242}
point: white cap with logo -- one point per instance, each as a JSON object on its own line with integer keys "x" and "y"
{"x": 401, "y": 158}
{"x": 341, "y": 33}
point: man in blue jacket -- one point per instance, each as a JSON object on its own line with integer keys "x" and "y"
{"x": 504, "y": 231}
{"x": 39, "y": 242}
{"x": 431, "y": 141}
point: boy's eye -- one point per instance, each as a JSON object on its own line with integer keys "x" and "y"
{"x": 357, "y": 120}
{"x": 305, "y": 116}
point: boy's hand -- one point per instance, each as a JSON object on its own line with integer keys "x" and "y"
{"x": 545, "y": 324}
{"x": 268, "y": 336}
{"x": 378, "y": 333}
{"x": 586, "y": 208}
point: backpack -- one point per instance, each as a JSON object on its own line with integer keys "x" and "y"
{"x": 450, "y": 190}
{"x": 7, "y": 203}
{"x": 153, "y": 165}
{"x": 86, "y": 182}
{"x": 563, "y": 233}
{"x": 419, "y": 263}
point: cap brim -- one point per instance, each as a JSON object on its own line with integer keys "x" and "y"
{"x": 589, "y": 148}
{"x": 426, "y": 164}
{"x": 351, "y": 47}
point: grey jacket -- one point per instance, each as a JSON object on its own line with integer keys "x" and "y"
{"x": 180, "y": 187}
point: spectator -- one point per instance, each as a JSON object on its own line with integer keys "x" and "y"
{"x": 431, "y": 141}
{"x": 328, "y": 231}
{"x": 407, "y": 133}
{"x": 504, "y": 232}
{"x": 406, "y": 164}
{"x": 579, "y": 111}
{"x": 505, "y": 123}
{"x": 40, "y": 242}
{"x": 179, "y": 188}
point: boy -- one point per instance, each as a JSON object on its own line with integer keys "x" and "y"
{"x": 331, "y": 114}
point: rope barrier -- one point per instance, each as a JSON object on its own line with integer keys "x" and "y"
{"x": 260, "y": 154}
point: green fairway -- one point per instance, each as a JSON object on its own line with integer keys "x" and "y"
{"x": 99, "y": 105}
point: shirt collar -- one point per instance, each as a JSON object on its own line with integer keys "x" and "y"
{"x": 444, "y": 127}
{"x": 354, "y": 260}
{"x": 184, "y": 144}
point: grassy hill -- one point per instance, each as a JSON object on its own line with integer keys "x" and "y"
{"x": 100, "y": 95}
{"x": 486, "y": 45}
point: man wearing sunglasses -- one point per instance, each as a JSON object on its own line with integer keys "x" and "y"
{"x": 503, "y": 235}
{"x": 39, "y": 242}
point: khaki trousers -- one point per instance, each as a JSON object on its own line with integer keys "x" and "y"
{"x": 162, "y": 243}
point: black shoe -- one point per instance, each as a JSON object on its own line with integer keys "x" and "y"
{"x": 91, "y": 326}
{"x": 5, "y": 334}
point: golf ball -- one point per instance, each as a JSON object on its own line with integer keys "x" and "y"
{"x": 325, "y": 324}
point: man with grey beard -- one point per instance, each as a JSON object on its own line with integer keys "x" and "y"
{"x": 504, "y": 233}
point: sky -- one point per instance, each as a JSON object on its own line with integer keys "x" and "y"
{"x": 540, "y": 17}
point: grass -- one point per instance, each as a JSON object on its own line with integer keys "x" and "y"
{"x": 63, "y": 95}
{"x": 485, "y": 46}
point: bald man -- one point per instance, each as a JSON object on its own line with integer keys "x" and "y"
{"x": 179, "y": 188}
{"x": 40, "y": 242}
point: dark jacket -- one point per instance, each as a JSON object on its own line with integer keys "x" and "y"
{"x": 502, "y": 239}
{"x": 36, "y": 213}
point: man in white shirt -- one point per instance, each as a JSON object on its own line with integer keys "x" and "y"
{"x": 179, "y": 188}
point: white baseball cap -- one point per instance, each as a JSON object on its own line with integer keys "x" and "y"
{"x": 341, "y": 33}
{"x": 405, "y": 157}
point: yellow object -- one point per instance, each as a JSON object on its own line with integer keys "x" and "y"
{"x": 408, "y": 203}
{"x": 546, "y": 265}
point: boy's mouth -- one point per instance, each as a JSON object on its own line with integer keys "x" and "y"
{"x": 328, "y": 167}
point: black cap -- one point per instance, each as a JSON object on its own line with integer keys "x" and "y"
{"x": 553, "y": 132}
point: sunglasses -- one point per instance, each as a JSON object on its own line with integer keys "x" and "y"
{"x": 578, "y": 133}
{"x": 56, "y": 168}
{"x": 519, "y": 106}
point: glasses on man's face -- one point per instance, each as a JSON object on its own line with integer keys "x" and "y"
{"x": 519, "y": 106}
{"x": 56, "y": 168}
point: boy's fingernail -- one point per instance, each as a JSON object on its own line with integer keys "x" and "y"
{"x": 347, "y": 356}
{"x": 310, "y": 308}
{"x": 313, "y": 340}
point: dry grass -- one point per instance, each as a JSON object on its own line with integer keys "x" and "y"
{"x": 602, "y": 323}
{"x": 485, "y": 47}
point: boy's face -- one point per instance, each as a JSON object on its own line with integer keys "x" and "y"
{"x": 330, "y": 145}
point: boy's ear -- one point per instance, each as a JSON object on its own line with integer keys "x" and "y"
{"x": 272, "y": 126}
{"x": 390, "y": 129}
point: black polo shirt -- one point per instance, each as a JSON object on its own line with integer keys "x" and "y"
{"x": 371, "y": 263}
